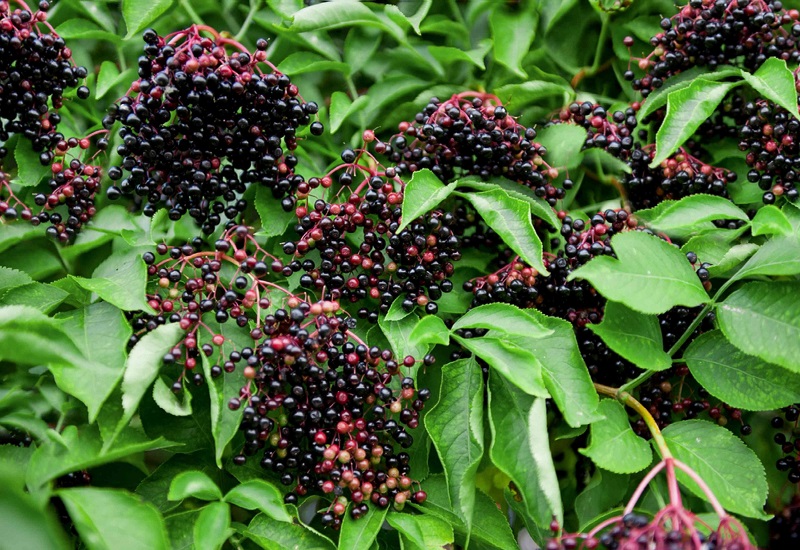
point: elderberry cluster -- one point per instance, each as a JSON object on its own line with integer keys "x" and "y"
{"x": 200, "y": 125}
{"x": 788, "y": 441}
{"x": 681, "y": 175}
{"x": 770, "y": 138}
{"x": 784, "y": 528}
{"x": 36, "y": 70}
{"x": 73, "y": 185}
{"x": 711, "y": 33}
{"x": 69, "y": 203}
{"x": 611, "y": 132}
{"x": 364, "y": 255}
{"x": 637, "y": 531}
{"x": 189, "y": 283}
{"x": 460, "y": 137}
{"x": 326, "y": 411}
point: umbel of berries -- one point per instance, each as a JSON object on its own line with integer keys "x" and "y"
{"x": 472, "y": 134}
{"x": 36, "y": 70}
{"x": 365, "y": 255}
{"x": 201, "y": 124}
{"x": 327, "y": 413}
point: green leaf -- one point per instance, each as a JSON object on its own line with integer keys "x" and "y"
{"x": 455, "y": 425}
{"x": 422, "y": 194}
{"x": 430, "y": 330}
{"x": 142, "y": 367}
{"x": 605, "y": 491}
{"x": 29, "y": 169}
{"x": 539, "y": 208}
{"x": 517, "y": 365}
{"x": 272, "y": 534}
{"x": 120, "y": 280}
{"x": 212, "y": 527}
{"x": 83, "y": 29}
{"x": 532, "y": 91}
{"x": 139, "y": 14}
{"x": 29, "y": 337}
{"x": 109, "y": 77}
{"x": 614, "y": 446}
{"x": 769, "y": 220}
{"x": 565, "y": 374}
{"x": 26, "y": 523}
{"x": 633, "y": 335}
{"x": 512, "y": 33}
{"x": 650, "y": 275}
{"x": 155, "y": 487}
{"x": 423, "y": 532}
{"x": 506, "y": 318}
{"x": 259, "y": 495}
{"x": 740, "y": 380}
{"x": 776, "y": 82}
{"x": 224, "y": 422}
{"x": 691, "y": 214}
{"x": 731, "y": 469}
{"x": 564, "y": 144}
{"x": 111, "y": 518}
{"x": 360, "y": 533}
{"x": 490, "y": 528}
{"x": 778, "y": 256}
{"x": 274, "y": 219}
{"x": 341, "y": 108}
{"x": 449, "y": 55}
{"x": 398, "y": 334}
{"x": 309, "y": 62}
{"x": 43, "y": 297}
{"x": 81, "y": 449}
{"x": 193, "y": 483}
{"x": 658, "y": 98}
{"x": 170, "y": 403}
{"x": 510, "y": 218}
{"x": 101, "y": 332}
{"x": 763, "y": 319}
{"x": 342, "y": 14}
{"x": 687, "y": 109}
{"x": 718, "y": 250}
{"x": 12, "y": 278}
{"x": 520, "y": 448}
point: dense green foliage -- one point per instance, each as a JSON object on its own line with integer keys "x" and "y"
{"x": 481, "y": 273}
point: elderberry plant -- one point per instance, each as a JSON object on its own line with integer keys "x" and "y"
{"x": 404, "y": 274}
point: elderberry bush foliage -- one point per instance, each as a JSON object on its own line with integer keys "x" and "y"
{"x": 497, "y": 275}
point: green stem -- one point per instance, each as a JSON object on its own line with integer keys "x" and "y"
{"x": 598, "y": 52}
{"x": 628, "y": 400}
{"x": 187, "y": 7}
{"x": 636, "y": 382}
{"x": 247, "y": 21}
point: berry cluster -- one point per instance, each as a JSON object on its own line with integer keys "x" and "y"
{"x": 789, "y": 442}
{"x": 770, "y": 137}
{"x": 673, "y": 527}
{"x": 201, "y": 124}
{"x": 575, "y": 301}
{"x": 70, "y": 201}
{"x": 784, "y": 528}
{"x": 364, "y": 255}
{"x": 669, "y": 530}
{"x": 679, "y": 176}
{"x": 327, "y": 410}
{"x": 36, "y": 70}
{"x": 191, "y": 282}
{"x": 710, "y": 33}
{"x": 610, "y": 132}
{"x": 460, "y": 137}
